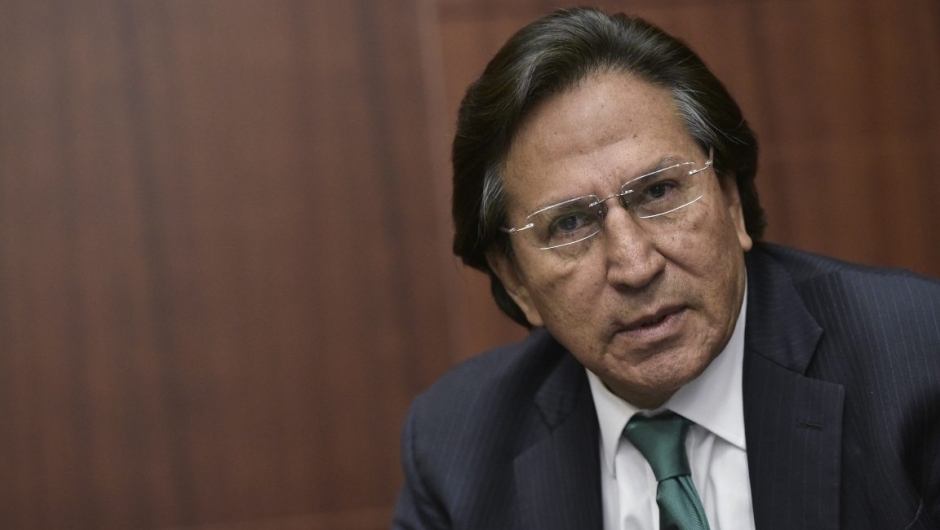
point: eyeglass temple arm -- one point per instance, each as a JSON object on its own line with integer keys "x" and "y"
{"x": 514, "y": 230}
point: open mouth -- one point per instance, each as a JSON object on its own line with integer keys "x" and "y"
{"x": 654, "y": 321}
{"x": 660, "y": 322}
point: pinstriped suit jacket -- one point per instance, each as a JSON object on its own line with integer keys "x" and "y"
{"x": 841, "y": 406}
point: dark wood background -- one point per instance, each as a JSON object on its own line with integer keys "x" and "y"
{"x": 225, "y": 265}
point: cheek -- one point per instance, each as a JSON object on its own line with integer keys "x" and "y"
{"x": 716, "y": 259}
{"x": 563, "y": 292}
{"x": 715, "y": 226}
{"x": 688, "y": 238}
{"x": 706, "y": 247}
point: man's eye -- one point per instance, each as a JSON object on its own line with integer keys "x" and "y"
{"x": 658, "y": 190}
{"x": 568, "y": 223}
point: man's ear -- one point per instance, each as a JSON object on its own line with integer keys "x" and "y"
{"x": 507, "y": 272}
{"x": 732, "y": 198}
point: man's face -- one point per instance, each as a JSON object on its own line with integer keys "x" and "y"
{"x": 646, "y": 309}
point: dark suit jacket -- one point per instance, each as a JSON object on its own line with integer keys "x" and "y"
{"x": 841, "y": 408}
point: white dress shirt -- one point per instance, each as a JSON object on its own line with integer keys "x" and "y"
{"x": 715, "y": 445}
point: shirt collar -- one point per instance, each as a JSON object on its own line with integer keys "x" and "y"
{"x": 713, "y": 400}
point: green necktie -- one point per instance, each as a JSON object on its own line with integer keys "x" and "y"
{"x": 661, "y": 439}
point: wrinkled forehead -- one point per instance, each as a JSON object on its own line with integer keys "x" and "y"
{"x": 592, "y": 138}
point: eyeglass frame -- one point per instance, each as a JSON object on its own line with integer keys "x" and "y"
{"x": 622, "y": 195}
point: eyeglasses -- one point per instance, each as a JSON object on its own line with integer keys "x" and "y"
{"x": 658, "y": 193}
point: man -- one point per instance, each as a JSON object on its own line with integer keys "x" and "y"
{"x": 680, "y": 374}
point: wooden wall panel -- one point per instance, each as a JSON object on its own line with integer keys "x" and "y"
{"x": 221, "y": 280}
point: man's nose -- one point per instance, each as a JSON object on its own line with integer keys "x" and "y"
{"x": 632, "y": 257}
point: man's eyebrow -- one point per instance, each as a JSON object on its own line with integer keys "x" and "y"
{"x": 555, "y": 202}
{"x": 663, "y": 163}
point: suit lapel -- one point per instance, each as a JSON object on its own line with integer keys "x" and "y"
{"x": 793, "y": 424}
{"x": 558, "y": 476}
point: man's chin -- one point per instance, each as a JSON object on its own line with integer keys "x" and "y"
{"x": 656, "y": 376}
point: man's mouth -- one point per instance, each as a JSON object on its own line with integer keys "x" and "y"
{"x": 653, "y": 328}
{"x": 653, "y": 320}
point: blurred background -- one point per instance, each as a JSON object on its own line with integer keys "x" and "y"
{"x": 225, "y": 229}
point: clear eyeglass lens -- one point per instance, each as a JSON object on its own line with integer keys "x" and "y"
{"x": 651, "y": 196}
{"x": 660, "y": 193}
{"x": 569, "y": 222}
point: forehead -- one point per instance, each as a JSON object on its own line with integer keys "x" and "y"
{"x": 591, "y": 138}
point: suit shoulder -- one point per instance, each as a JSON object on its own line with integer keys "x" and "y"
{"x": 880, "y": 325}
{"x": 493, "y": 379}
{"x": 864, "y": 286}
{"x": 473, "y": 421}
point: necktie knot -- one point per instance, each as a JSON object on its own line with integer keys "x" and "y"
{"x": 661, "y": 440}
